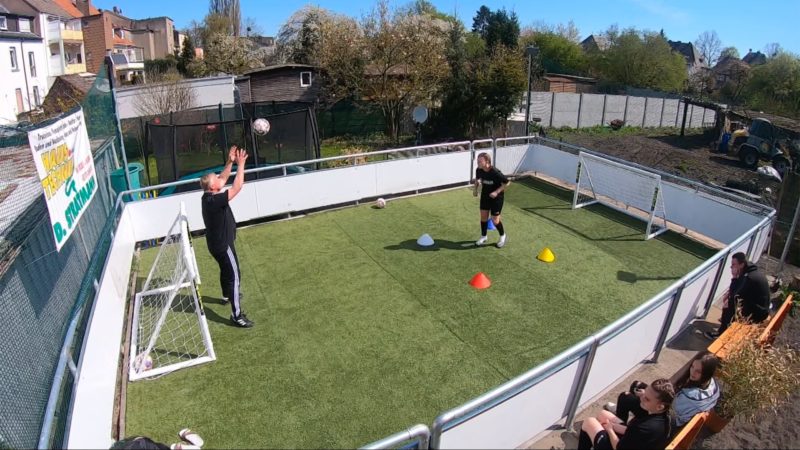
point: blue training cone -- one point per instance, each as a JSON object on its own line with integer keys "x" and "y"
{"x": 491, "y": 225}
{"x": 425, "y": 240}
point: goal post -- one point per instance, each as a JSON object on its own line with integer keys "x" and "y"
{"x": 170, "y": 330}
{"x": 627, "y": 189}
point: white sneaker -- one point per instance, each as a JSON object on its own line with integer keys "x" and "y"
{"x": 502, "y": 241}
{"x": 481, "y": 241}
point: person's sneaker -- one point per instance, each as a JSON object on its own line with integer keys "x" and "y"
{"x": 225, "y": 300}
{"x": 502, "y": 241}
{"x": 711, "y": 335}
{"x": 481, "y": 241}
{"x": 242, "y": 321}
{"x": 610, "y": 407}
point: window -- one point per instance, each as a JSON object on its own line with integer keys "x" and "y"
{"x": 3, "y": 23}
{"x": 24, "y": 24}
{"x": 36, "y": 98}
{"x": 32, "y": 63}
{"x": 14, "y": 66}
{"x": 305, "y": 79}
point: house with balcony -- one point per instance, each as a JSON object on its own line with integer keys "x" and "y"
{"x": 110, "y": 33}
{"x": 61, "y": 27}
{"x": 23, "y": 61}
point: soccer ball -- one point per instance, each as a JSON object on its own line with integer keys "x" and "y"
{"x": 380, "y": 203}
{"x": 143, "y": 363}
{"x": 261, "y": 126}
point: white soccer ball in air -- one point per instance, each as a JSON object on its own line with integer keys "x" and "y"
{"x": 380, "y": 203}
{"x": 143, "y": 363}
{"x": 261, "y": 126}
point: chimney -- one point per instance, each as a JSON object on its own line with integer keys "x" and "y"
{"x": 84, "y": 6}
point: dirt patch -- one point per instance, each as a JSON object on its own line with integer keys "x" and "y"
{"x": 688, "y": 157}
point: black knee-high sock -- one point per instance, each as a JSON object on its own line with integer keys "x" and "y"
{"x": 484, "y": 227}
{"x": 500, "y": 228}
{"x": 584, "y": 442}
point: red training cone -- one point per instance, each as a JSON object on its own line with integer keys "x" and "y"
{"x": 480, "y": 281}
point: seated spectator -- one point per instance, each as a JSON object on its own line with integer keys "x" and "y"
{"x": 651, "y": 431}
{"x": 697, "y": 393}
{"x": 749, "y": 293}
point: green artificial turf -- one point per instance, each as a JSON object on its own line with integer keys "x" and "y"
{"x": 360, "y": 333}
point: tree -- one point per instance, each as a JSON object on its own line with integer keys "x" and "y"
{"x": 164, "y": 93}
{"x": 339, "y": 54}
{"x": 186, "y": 56}
{"x": 640, "y": 59}
{"x": 729, "y": 52}
{"x": 405, "y": 62}
{"x": 229, "y": 9}
{"x": 772, "y": 49}
{"x": 298, "y": 36}
{"x": 250, "y": 28}
{"x": 568, "y": 30}
{"x": 498, "y": 27}
{"x": 709, "y": 45}
{"x": 557, "y": 53}
{"x": 228, "y": 54}
{"x": 480, "y": 24}
{"x": 775, "y": 86}
{"x": 502, "y": 81}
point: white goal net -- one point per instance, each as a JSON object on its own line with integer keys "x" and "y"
{"x": 627, "y": 189}
{"x": 169, "y": 329}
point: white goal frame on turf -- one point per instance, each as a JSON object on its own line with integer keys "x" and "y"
{"x": 627, "y": 189}
{"x": 170, "y": 288}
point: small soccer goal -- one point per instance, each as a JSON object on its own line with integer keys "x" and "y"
{"x": 169, "y": 330}
{"x": 627, "y": 189}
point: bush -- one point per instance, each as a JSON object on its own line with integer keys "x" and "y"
{"x": 755, "y": 378}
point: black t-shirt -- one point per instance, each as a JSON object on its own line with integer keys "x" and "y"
{"x": 219, "y": 220}
{"x": 490, "y": 180}
{"x": 650, "y": 431}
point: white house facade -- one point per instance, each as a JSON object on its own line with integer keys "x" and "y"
{"x": 23, "y": 64}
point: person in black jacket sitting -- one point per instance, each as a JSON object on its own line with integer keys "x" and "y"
{"x": 650, "y": 431}
{"x": 749, "y": 291}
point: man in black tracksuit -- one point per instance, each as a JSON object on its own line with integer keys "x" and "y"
{"x": 749, "y": 290}
{"x": 221, "y": 230}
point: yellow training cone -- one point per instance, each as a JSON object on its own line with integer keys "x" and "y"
{"x": 546, "y": 255}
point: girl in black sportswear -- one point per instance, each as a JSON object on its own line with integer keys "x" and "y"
{"x": 493, "y": 184}
{"x": 650, "y": 431}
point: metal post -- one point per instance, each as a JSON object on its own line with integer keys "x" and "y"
{"x": 113, "y": 89}
{"x": 574, "y": 402}
{"x": 790, "y": 236}
{"x": 580, "y": 105}
{"x": 715, "y": 285}
{"x": 625, "y": 113}
{"x": 683, "y": 125}
{"x": 552, "y": 107}
{"x": 661, "y": 117}
{"x": 528, "y": 102}
{"x": 662, "y": 336}
{"x": 644, "y": 114}
{"x": 494, "y": 151}
{"x": 603, "y": 115}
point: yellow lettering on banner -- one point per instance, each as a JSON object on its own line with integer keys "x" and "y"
{"x": 55, "y": 157}
{"x": 57, "y": 176}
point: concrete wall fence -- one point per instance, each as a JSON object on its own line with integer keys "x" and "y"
{"x": 558, "y": 109}
{"x": 509, "y": 415}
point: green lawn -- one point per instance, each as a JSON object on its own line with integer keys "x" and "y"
{"x": 359, "y": 333}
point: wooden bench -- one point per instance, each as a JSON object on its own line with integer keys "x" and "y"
{"x": 768, "y": 335}
{"x": 684, "y": 439}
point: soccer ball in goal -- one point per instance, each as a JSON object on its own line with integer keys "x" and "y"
{"x": 627, "y": 189}
{"x": 169, "y": 330}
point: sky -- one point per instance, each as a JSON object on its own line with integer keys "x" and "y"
{"x": 744, "y": 24}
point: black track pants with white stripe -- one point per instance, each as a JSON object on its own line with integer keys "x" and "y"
{"x": 230, "y": 277}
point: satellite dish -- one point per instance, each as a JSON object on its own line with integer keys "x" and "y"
{"x": 420, "y": 114}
